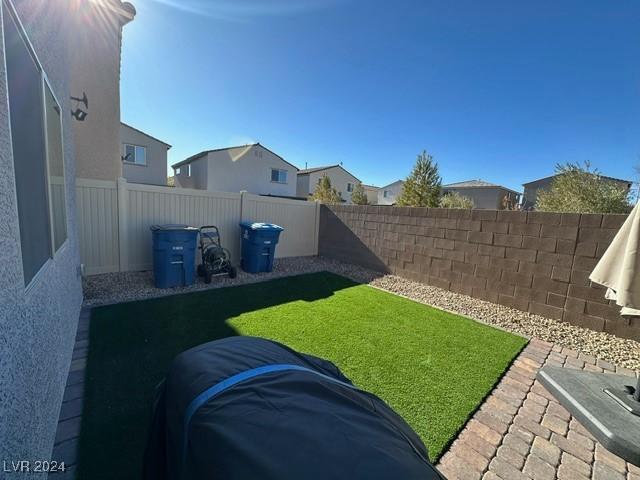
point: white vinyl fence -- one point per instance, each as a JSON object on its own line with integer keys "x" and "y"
{"x": 114, "y": 220}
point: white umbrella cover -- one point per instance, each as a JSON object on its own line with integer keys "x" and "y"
{"x": 619, "y": 267}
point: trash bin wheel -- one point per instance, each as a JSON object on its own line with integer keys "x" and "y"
{"x": 233, "y": 272}
{"x": 207, "y": 275}
{"x": 200, "y": 270}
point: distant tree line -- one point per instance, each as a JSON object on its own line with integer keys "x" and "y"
{"x": 576, "y": 189}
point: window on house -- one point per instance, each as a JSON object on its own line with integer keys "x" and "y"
{"x": 349, "y": 187}
{"x": 278, "y": 176}
{"x": 385, "y": 193}
{"x": 135, "y": 154}
{"x": 178, "y": 171}
{"x": 36, "y": 138}
{"x": 188, "y": 170}
{"x": 55, "y": 157}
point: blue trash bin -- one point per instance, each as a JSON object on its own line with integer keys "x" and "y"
{"x": 259, "y": 242}
{"x": 174, "y": 255}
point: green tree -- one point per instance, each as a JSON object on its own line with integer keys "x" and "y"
{"x": 325, "y": 192}
{"x": 455, "y": 200}
{"x": 358, "y": 196}
{"x": 580, "y": 189}
{"x": 422, "y": 187}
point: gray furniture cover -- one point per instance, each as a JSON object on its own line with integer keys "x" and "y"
{"x": 249, "y": 408}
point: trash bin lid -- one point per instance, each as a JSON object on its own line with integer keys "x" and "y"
{"x": 172, "y": 226}
{"x": 261, "y": 226}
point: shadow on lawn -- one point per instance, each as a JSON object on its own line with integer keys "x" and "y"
{"x": 132, "y": 344}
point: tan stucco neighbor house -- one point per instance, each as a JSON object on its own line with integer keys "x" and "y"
{"x": 531, "y": 189}
{"x": 371, "y": 191}
{"x": 251, "y": 168}
{"x": 96, "y": 61}
{"x": 341, "y": 180}
{"x": 485, "y": 195}
{"x": 50, "y": 53}
{"x": 144, "y": 158}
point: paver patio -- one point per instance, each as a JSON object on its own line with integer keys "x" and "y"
{"x": 522, "y": 432}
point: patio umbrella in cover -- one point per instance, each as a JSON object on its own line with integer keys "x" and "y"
{"x": 619, "y": 267}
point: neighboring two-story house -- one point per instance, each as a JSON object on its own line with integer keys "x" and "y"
{"x": 485, "y": 195}
{"x": 144, "y": 158}
{"x": 53, "y": 55}
{"x": 252, "y": 168}
{"x": 388, "y": 195}
{"x": 341, "y": 180}
{"x": 532, "y": 188}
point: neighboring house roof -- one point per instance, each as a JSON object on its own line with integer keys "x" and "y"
{"x": 307, "y": 171}
{"x": 470, "y": 184}
{"x": 364, "y": 185}
{"x": 207, "y": 152}
{"x": 477, "y": 184}
{"x": 146, "y": 135}
{"x": 620, "y": 180}
{"x": 392, "y": 184}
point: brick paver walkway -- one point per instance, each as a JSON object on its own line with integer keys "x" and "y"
{"x": 522, "y": 432}
{"x": 65, "y": 447}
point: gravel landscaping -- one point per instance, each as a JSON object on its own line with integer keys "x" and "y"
{"x": 130, "y": 286}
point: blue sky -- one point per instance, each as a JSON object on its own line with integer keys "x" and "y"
{"x": 498, "y": 90}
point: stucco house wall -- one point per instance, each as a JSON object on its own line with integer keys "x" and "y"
{"x": 393, "y": 191}
{"x": 96, "y": 72}
{"x": 235, "y": 169}
{"x": 302, "y": 186}
{"x": 155, "y": 170}
{"x": 193, "y": 175}
{"x": 340, "y": 178}
{"x": 371, "y": 192}
{"x": 483, "y": 197}
{"x": 37, "y": 323}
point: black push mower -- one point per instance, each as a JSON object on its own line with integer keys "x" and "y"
{"x": 216, "y": 260}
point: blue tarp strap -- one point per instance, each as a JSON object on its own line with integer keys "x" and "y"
{"x": 227, "y": 383}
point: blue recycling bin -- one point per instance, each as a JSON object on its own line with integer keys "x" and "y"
{"x": 259, "y": 242}
{"x": 174, "y": 255}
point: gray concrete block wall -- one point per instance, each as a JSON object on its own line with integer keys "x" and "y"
{"x": 38, "y": 323}
{"x": 537, "y": 262}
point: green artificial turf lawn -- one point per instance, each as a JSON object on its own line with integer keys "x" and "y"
{"x": 432, "y": 367}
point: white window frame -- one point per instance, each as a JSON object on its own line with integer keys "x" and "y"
{"x": 129, "y": 162}
{"x": 385, "y": 194}
{"x": 350, "y": 187}
{"x": 47, "y": 84}
{"x": 7, "y": 8}
{"x": 188, "y": 170}
{"x": 280, "y": 172}
{"x": 177, "y": 171}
